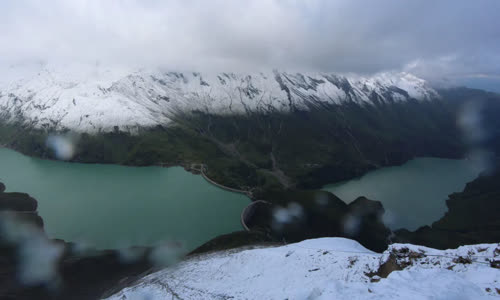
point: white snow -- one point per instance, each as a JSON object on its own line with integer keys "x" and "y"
{"x": 326, "y": 268}
{"x": 94, "y": 98}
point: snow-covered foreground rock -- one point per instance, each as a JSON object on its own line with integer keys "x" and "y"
{"x": 328, "y": 268}
{"x": 90, "y": 99}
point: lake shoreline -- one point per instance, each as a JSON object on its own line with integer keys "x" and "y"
{"x": 70, "y": 194}
{"x": 194, "y": 168}
{"x": 414, "y": 193}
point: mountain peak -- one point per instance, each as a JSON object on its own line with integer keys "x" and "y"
{"x": 93, "y": 98}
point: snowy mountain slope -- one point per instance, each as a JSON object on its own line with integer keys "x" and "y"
{"x": 89, "y": 99}
{"x": 327, "y": 268}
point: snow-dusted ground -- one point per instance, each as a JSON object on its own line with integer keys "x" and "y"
{"x": 93, "y": 98}
{"x": 327, "y": 268}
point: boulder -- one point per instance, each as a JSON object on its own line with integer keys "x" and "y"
{"x": 17, "y": 202}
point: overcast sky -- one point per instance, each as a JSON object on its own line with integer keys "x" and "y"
{"x": 452, "y": 38}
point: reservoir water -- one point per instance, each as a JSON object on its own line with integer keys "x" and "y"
{"x": 111, "y": 206}
{"x": 414, "y": 193}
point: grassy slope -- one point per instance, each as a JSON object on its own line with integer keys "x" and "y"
{"x": 305, "y": 149}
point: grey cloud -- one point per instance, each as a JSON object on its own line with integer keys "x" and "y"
{"x": 429, "y": 38}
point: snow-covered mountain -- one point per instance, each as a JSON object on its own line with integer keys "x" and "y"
{"x": 90, "y": 99}
{"x": 328, "y": 268}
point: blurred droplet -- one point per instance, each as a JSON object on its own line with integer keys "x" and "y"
{"x": 39, "y": 259}
{"x": 322, "y": 199}
{"x": 469, "y": 120}
{"x": 481, "y": 160}
{"x": 131, "y": 254}
{"x": 38, "y": 255}
{"x": 389, "y": 218}
{"x": 166, "y": 255}
{"x": 287, "y": 215}
{"x": 351, "y": 225}
{"x": 62, "y": 146}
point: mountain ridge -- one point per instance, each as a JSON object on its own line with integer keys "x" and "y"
{"x": 102, "y": 100}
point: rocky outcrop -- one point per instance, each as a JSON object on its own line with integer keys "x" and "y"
{"x": 32, "y": 266}
{"x": 312, "y": 214}
{"x": 19, "y": 206}
{"x": 364, "y": 217}
{"x": 17, "y": 202}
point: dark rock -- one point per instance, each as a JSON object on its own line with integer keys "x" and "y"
{"x": 89, "y": 276}
{"x": 370, "y": 229}
{"x": 312, "y": 214}
{"x": 462, "y": 260}
{"x": 387, "y": 267}
{"x": 17, "y": 202}
{"x": 235, "y": 240}
{"x": 2, "y": 187}
{"x": 31, "y": 218}
{"x": 363, "y": 206}
{"x": 495, "y": 264}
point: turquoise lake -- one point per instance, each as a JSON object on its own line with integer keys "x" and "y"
{"x": 414, "y": 193}
{"x": 110, "y": 206}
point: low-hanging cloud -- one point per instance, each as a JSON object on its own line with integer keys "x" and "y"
{"x": 430, "y": 38}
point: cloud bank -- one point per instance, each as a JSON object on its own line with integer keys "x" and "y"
{"x": 429, "y": 38}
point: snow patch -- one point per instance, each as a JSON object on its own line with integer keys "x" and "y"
{"x": 326, "y": 268}
{"x": 94, "y": 98}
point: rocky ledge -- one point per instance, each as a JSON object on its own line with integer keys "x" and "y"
{"x": 312, "y": 214}
{"x": 32, "y": 266}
